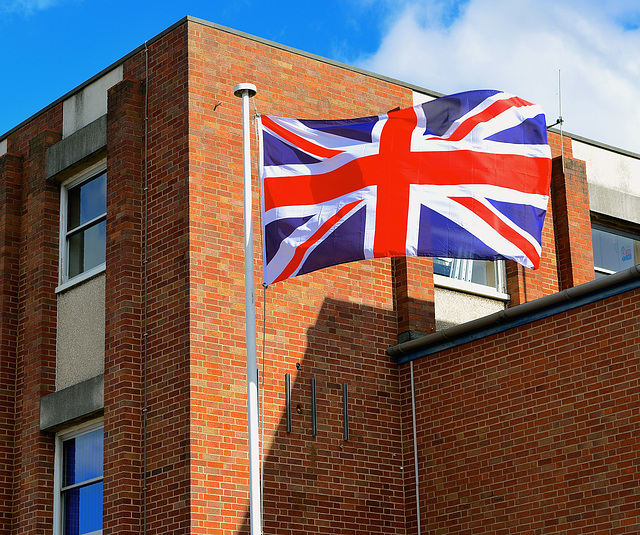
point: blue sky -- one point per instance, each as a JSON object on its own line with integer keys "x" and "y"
{"x": 51, "y": 46}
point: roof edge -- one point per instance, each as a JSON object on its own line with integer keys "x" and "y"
{"x": 95, "y": 77}
{"x": 519, "y": 315}
{"x": 598, "y": 144}
{"x": 274, "y": 44}
{"x": 316, "y": 57}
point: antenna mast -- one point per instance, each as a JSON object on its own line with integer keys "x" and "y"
{"x": 560, "y": 121}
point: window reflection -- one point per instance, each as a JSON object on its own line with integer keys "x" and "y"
{"x": 82, "y": 483}
{"x": 87, "y": 201}
{"x": 85, "y": 243}
{"x": 613, "y": 251}
{"x": 477, "y": 271}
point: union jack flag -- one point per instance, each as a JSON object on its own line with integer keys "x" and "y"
{"x": 461, "y": 176}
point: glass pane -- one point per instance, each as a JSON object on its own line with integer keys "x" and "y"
{"x": 87, "y": 201}
{"x": 476, "y": 271}
{"x": 75, "y": 245}
{"x": 83, "y": 510}
{"x": 442, "y": 266}
{"x": 82, "y": 457}
{"x": 95, "y": 242}
{"x": 87, "y": 248}
{"x": 614, "y": 252}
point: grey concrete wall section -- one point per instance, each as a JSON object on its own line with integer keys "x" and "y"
{"x": 614, "y": 203}
{"x": 81, "y": 332}
{"x": 454, "y": 308}
{"x": 78, "y": 147}
{"x": 75, "y": 403}
{"x": 614, "y": 180}
{"x": 88, "y": 104}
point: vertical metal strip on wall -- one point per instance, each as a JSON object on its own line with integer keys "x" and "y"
{"x": 345, "y": 410}
{"x": 287, "y": 393}
{"x": 145, "y": 289}
{"x": 314, "y": 409}
{"x": 415, "y": 448}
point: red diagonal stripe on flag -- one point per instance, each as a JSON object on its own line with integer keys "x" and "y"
{"x": 492, "y": 111}
{"x": 299, "y": 142}
{"x": 301, "y": 250}
{"x": 501, "y": 227}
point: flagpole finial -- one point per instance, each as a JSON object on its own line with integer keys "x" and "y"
{"x": 240, "y": 89}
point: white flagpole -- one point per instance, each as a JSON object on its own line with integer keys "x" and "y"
{"x": 245, "y": 91}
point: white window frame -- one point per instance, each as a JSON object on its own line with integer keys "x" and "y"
{"x": 58, "y": 467}
{"x": 64, "y": 281}
{"x": 499, "y": 292}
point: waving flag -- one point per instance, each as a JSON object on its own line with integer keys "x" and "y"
{"x": 462, "y": 176}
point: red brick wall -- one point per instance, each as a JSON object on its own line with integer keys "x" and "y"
{"x": 168, "y": 370}
{"x": 336, "y": 323}
{"x": 534, "y": 430}
{"x": 570, "y": 198}
{"x": 414, "y": 297}
{"x": 560, "y": 145}
{"x": 36, "y": 327}
{"x": 10, "y": 210}
{"x": 170, "y": 373}
{"x": 124, "y": 330}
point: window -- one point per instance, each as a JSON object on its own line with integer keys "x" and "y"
{"x": 83, "y": 212}
{"x": 78, "y": 481}
{"x": 478, "y": 276}
{"x": 614, "y": 250}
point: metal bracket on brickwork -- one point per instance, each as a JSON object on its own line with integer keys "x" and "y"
{"x": 314, "y": 409}
{"x": 345, "y": 410}
{"x": 287, "y": 396}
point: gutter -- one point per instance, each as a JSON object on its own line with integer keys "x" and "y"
{"x": 501, "y": 321}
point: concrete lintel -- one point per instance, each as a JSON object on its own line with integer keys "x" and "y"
{"x": 614, "y": 203}
{"x": 79, "y": 147}
{"x": 72, "y": 404}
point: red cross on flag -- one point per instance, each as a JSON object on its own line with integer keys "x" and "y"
{"x": 462, "y": 176}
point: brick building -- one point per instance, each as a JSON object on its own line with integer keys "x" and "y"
{"x": 122, "y": 354}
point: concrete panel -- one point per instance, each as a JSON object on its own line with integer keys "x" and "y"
{"x": 614, "y": 203}
{"x": 421, "y": 98}
{"x": 3, "y": 147}
{"x": 78, "y": 147}
{"x": 80, "y": 341}
{"x": 77, "y": 402}
{"x": 613, "y": 179}
{"x": 87, "y": 105}
{"x": 454, "y": 308}
{"x": 609, "y": 169}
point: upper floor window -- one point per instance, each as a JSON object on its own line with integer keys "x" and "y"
{"x": 83, "y": 212}
{"x": 614, "y": 250}
{"x": 477, "y": 276}
{"x": 78, "y": 477}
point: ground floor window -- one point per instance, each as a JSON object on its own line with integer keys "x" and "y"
{"x": 78, "y": 478}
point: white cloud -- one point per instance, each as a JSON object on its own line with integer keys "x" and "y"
{"x": 26, "y": 7}
{"x": 520, "y": 47}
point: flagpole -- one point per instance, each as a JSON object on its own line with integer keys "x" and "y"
{"x": 245, "y": 91}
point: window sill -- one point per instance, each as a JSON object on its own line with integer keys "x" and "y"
{"x": 82, "y": 278}
{"x": 469, "y": 287}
